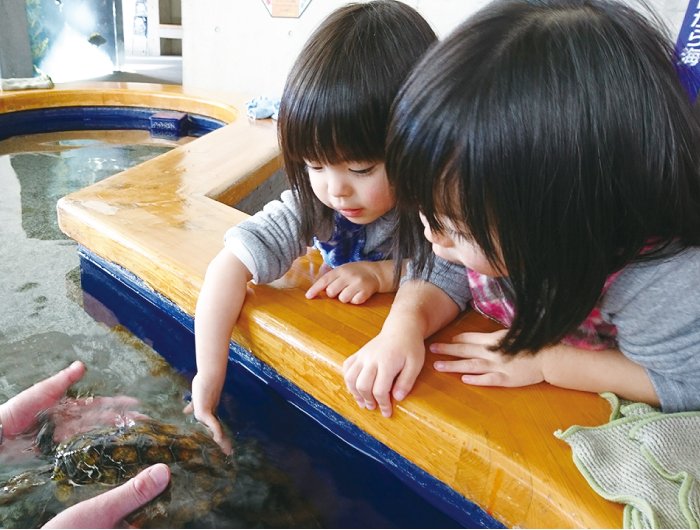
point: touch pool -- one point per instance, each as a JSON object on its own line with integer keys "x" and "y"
{"x": 487, "y": 454}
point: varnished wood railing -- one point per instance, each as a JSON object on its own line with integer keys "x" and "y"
{"x": 164, "y": 220}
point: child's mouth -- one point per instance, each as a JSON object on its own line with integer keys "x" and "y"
{"x": 356, "y": 212}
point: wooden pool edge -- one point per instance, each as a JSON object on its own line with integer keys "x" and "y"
{"x": 160, "y": 221}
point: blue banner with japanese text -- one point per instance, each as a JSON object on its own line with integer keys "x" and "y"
{"x": 688, "y": 49}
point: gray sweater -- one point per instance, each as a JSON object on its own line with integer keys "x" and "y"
{"x": 269, "y": 242}
{"x": 655, "y": 307}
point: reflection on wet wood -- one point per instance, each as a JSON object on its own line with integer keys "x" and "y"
{"x": 161, "y": 220}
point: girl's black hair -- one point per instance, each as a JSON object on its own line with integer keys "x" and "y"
{"x": 337, "y": 99}
{"x": 557, "y": 134}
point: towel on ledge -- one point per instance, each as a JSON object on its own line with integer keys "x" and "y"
{"x": 23, "y": 83}
{"x": 645, "y": 459}
{"x": 263, "y": 107}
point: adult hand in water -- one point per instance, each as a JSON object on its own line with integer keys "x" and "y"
{"x": 108, "y": 510}
{"x": 19, "y": 413}
{"x": 70, "y": 416}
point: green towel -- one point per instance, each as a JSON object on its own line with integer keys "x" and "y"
{"x": 23, "y": 83}
{"x": 643, "y": 458}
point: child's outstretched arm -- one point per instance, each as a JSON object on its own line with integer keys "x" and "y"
{"x": 419, "y": 310}
{"x": 218, "y": 308}
{"x": 355, "y": 282}
{"x": 560, "y": 365}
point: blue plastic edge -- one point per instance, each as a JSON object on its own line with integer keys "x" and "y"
{"x": 437, "y": 493}
{"x": 93, "y": 118}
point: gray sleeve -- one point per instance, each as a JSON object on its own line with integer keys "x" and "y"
{"x": 655, "y": 307}
{"x": 448, "y": 276}
{"x": 269, "y": 242}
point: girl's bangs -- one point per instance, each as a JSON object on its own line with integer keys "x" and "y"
{"x": 332, "y": 132}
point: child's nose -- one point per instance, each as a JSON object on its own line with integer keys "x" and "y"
{"x": 338, "y": 187}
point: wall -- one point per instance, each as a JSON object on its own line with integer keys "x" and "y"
{"x": 236, "y": 45}
{"x": 15, "y": 53}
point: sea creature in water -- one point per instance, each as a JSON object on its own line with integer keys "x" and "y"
{"x": 202, "y": 476}
{"x": 96, "y": 39}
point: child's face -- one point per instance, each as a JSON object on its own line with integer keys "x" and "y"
{"x": 358, "y": 190}
{"x": 451, "y": 245}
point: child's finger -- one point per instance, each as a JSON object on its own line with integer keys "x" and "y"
{"x": 348, "y": 293}
{"x": 406, "y": 379}
{"x": 349, "y": 362}
{"x": 352, "y": 371}
{"x": 320, "y": 285}
{"x": 463, "y": 350}
{"x": 211, "y": 423}
{"x": 382, "y": 393}
{"x": 475, "y": 337}
{"x": 488, "y": 379}
{"x": 365, "y": 386}
{"x": 360, "y": 297}
{"x": 465, "y": 366}
{"x": 336, "y": 287}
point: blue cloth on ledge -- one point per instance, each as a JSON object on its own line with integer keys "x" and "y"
{"x": 263, "y": 107}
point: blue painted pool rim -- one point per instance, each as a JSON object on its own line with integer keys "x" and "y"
{"x": 171, "y": 334}
{"x": 59, "y": 119}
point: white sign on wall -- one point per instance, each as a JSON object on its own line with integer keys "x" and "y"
{"x": 286, "y": 8}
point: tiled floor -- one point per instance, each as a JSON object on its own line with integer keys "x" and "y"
{"x": 165, "y": 69}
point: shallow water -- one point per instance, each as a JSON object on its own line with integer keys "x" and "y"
{"x": 43, "y": 327}
{"x": 292, "y": 473}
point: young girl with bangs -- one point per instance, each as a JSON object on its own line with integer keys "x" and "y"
{"x": 550, "y": 148}
{"x": 332, "y": 128}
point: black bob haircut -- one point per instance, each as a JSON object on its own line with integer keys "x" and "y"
{"x": 557, "y": 135}
{"x": 337, "y": 99}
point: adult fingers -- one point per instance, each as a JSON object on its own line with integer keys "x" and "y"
{"x": 69, "y": 427}
{"x": 98, "y": 402}
{"x": 18, "y": 414}
{"x": 109, "y": 509}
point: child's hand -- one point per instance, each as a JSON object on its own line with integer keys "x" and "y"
{"x": 483, "y": 367}
{"x": 370, "y": 373}
{"x": 205, "y": 399}
{"x": 355, "y": 282}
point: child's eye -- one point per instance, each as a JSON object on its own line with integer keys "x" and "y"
{"x": 364, "y": 171}
{"x": 312, "y": 167}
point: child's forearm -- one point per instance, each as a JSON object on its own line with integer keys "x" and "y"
{"x": 218, "y": 308}
{"x": 597, "y": 371}
{"x": 384, "y": 271}
{"x": 422, "y": 306}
